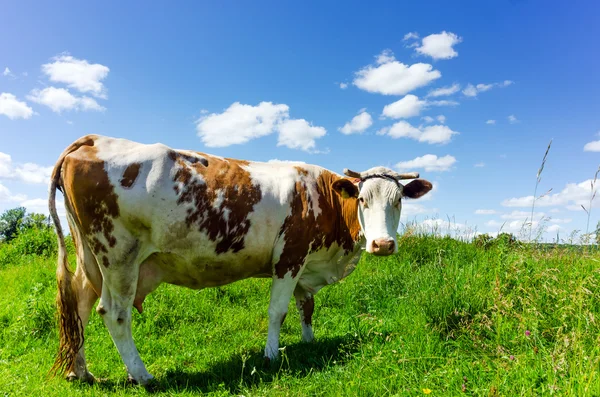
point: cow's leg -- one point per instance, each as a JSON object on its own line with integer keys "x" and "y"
{"x": 115, "y": 308}
{"x": 281, "y": 293}
{"x": 305, "y": 303}
{"x": 120, "y": 278}
{"x": 87, "y": 283}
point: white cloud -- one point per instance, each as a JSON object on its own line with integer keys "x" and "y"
{"x": 553, "y": 228}
{"x": 59, "y": 99}
{"x": 512, "y": 119}
{"x": 411, "y": 106}
{"x": 572, "y": 197}
{"x": 241, "y": 123}
{"x": 429, "y": 162}
{"x": 40, "y": 206}
{"x": 430, "y": 134}
{"x": 411, "y": 209}
{"x": 410, "y": 36}
{"x": 523, "y": 215}
{"x": 407, "y": 107}
{"x": 444, "y": 227}
{"x": 7, "y": 196}
{"x": 440, "y": 45}
{"x": 7, "y": 72}
{"x": 479, "y": 165}
{"x": 390, "y": 77}
{"x": 299, "y": 134}
{"x": 343, "y": 86}
{"x": 593, "y": 146}
{"x": 561, "y": 220}
{"x": 554, "y": 210}
{"x": 386, "y": 56}
{"x": 78, "y": 74}
{"x": 442, "y": 103}
{"x": 484, "y": 87}
{"x": 472, "y": 90}
{"x": 358, "y": 124}
{"x": 491, "y": 122}
{"x": 12, "y": 108}
{"x": 485, "y": 212}
{"x": 28, "y": 172}
{"x": 444, "y": 91}
{"x": 427, "y": 119}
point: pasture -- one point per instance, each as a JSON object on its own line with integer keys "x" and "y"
{"x": 442, "y": 317}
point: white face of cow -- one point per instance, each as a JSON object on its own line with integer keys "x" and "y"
{"x": 378, "y": 194}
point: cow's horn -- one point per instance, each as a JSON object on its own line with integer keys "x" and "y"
{"x": 351, "y": 173}
{"x": 408, "y": 175}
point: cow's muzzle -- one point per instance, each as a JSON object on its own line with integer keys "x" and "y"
{"x": 383, "y": 246}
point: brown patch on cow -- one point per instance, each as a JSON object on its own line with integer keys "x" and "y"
{"x": 130, "y": 175}
{"x": 301, "y": 171}
{"x": 101, "y": 310}
{"x": 105, "y": 261}
{"x": 337, "y": 223}
{"x": 91, "y": 195}
{"x": 226, "y": 222}
{"x": 308, "y": 307}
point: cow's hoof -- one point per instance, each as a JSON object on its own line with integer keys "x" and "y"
{"x": 87, "y": 378}
{"x": 145, "y": 382}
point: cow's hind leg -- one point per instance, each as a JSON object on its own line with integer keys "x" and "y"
{"x": 305, "y": 303}
{"x": 281, "y": 293}
{"x": 120, "y": 279}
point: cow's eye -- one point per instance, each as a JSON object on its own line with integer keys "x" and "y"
{"x": 363, "y": 202}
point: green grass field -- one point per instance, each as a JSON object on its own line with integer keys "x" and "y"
{"x": 441, "y": 316}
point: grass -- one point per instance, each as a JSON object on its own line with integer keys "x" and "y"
{"x": 443, "y": 315}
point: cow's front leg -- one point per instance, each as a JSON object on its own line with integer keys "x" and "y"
{"x": 281, "y": 293}
{"x": 305, "y": 302}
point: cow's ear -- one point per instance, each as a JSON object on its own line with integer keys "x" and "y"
{"x": 417, "y": 188}
{"x": 345, "y": 188}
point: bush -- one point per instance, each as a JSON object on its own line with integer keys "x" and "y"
{"x": 483, "y": 240}
{"x": 31, "y": 242}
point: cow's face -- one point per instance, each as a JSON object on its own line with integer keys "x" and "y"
{"x": 378, "y": 194}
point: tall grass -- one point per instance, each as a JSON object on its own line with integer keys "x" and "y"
{"x": 537, "y": 182}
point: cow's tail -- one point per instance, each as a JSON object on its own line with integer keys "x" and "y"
{"x": 70, "y": 325}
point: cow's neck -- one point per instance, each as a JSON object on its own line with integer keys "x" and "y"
{"x": 345, "y": 209}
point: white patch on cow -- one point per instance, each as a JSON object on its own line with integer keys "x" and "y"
{"x": 281, "y": 293}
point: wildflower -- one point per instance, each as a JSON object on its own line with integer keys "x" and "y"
{"x": 464, "y": 387}
{"x": 527, "y": 332}
{"x": 512, "y": 357}
{"x": 427, "y": 391}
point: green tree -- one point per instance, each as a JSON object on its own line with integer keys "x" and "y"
{"x": 36, "y": 221}
{"x": 10, "y": 223}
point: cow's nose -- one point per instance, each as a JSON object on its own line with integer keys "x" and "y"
{"x": 383, "y": 246}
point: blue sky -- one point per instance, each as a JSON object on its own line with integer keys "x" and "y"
{"x": 194, "y": 76}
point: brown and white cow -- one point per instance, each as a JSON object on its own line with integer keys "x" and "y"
{"x": 142, "y": 215}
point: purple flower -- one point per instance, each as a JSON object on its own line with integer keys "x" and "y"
{"x": 527, "y": 332}
{"x": 512, "y": 357}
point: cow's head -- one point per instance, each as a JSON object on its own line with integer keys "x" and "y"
{"x": 378, "y": 193}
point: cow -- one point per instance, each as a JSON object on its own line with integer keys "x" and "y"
{"x": 141, "y": 215}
